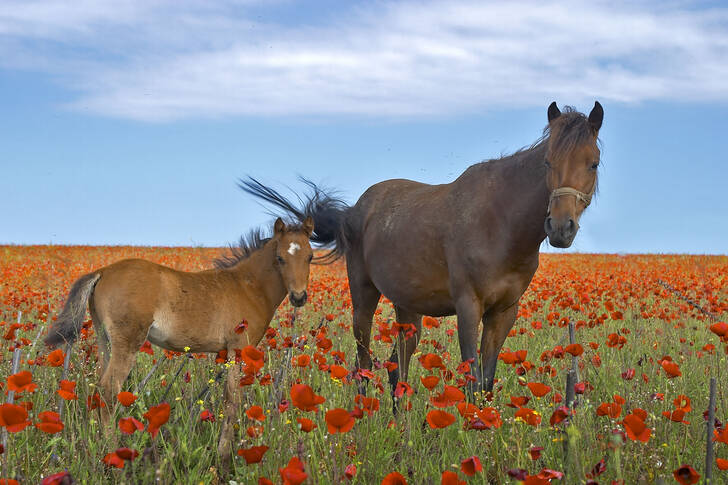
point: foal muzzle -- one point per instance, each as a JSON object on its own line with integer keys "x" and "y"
{"x": 298, "y": 298}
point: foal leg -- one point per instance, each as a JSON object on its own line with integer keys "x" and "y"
{"x": 124, "y": 348}
{"x": 102, "y": 341}
{"x": 469, "y": 311}
{"x": 495, "y": 330}
{"x": 232, "y": 399}
{"x": 404, "y": 347}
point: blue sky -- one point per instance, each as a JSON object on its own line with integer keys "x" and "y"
{"x": 129, "y": 122}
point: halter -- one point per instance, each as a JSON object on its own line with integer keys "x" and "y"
{"x": 580, "y": 196}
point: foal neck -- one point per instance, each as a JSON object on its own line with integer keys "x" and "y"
{"x": 260, "y": 272}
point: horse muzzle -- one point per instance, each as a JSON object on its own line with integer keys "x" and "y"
{"x": 298, "y": 298}
{"x": 561, "y": 233}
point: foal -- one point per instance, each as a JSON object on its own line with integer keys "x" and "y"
{"x": 134, "y": 300}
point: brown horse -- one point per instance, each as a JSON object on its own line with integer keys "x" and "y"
{"x": 134, "y": 300}
{"x": 469, "y": 247}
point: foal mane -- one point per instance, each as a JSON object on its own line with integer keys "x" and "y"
{"x": 248, "y": 244}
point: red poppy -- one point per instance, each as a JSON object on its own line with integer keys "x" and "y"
{"x": 253, "y": 358}
{"x": 394, "y": 478}
{"x": 254, "y": 454}
{"x": 490, "y": 417}
{"x": 207, "y": 416}
{"x": 55, "y": 358}
{"x": 339, "y": 421}
{"x": 94, "y": 401}
{"x": 126, "y": 398}
{"x": 451, "y": 478}
{"x": 448, "y": 397}
{"x": 671, "y": 368}
{"x": 403, "y": 388}
{"x": 127, "y": 454}
{"x": 130, "y": 425}
{"x": 431, "y": 361}
{"x": 13, "y": 418}
{"x": 50, "y": 422}
{"x": 535, "y": 452}
{"x": 430, "y": 322}
{"x": 240, "y": 327}
{"x": 686, "y": 475}
{"x": 518, "y": 401}
{"x": 302, "y": 360}
{"x": 56, "y": 479}
{"x": 22, "y": 381}
{"x": 678, "y": 416}
{"x": 303, "y": 397}
{"x": 720, "y": 329}
{"x": 368, "y": 404}
{"x": 256, "y": 413}
{"x": 467, "y": 410}
{"x": 9, "y": 481}
{"x": 439, "y": 419}
{"x": 294, "y": 473}
{"x": 682, "y": 402}
{"x": 721, "y": 435}
{"x": 306, "y": 425}
{"x": 350, "y": 471}
{"x": 471, "y": 466}
{"x": 722, "y": 464}
{"x": 538, "y": 389}
{"x": 338, "y": 372}
{"x": 264, "y": 481}
{"x": 611, "y": 409}
{"x": 636, "y": 428}
{"x": 528, "y": 416}
{"x": 67, "y": 390}
{"x": 559, "y": 414}
{"x": 156, "y": 417}
{"x": 113, "y": 460}
{"x": 574, "y": 349}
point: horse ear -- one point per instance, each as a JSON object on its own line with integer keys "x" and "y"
{"x": 553, "y": 112}
{"x": 308, "y": 226}
{"x": 279, "y": 226}
{"x": 596, "y": 116}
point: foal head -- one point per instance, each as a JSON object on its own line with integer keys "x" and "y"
{"x": 572, "y": 159}
{"x": 293, "y": 257}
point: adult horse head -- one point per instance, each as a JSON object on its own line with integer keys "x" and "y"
{"x": 572, "y": 159}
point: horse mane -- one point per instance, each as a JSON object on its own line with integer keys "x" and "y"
{"x": 573, "y": 130}
{"x": 249, "y": 244}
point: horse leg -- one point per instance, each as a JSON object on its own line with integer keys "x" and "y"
{"x": 495, "y": 330}
{"x": 102, "y": 340}
{"x": 404, "y": 347}
{"x": 469, "y": 311}
{"x": 364, "y": 300}
{"x": 123, "y": 356}
{"x": 232, "y": 399}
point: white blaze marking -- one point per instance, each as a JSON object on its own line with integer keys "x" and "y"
{"x": 293, "y": 248}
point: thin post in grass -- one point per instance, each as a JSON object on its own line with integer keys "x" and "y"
{"x": 709, "y": 454}
{"x": 150, "y": 374}
{"x": 570, "y": 398}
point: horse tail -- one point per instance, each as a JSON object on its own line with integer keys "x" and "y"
{"x": 323, "y": 205}
{"x": 68, "y": 325}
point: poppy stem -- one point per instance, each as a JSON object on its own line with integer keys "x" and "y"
{"x": 149, "y": 374}
{"x": 179, "y": 369}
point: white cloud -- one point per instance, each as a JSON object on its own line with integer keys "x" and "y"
{"x": 164, "y": 60}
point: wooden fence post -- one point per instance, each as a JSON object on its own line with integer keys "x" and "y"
{"x": 709, "y": 439}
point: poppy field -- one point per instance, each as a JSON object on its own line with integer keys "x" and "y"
{"x": 650, "y": 333}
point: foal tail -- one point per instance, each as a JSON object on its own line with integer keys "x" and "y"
{"x": 324, "y": 206}
{"x": 68, "y": 325}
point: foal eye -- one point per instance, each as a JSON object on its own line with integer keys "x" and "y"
{"x": 595, "y": 165}
{"x": 547, "y": 163}
{"x": 280, "y": 260}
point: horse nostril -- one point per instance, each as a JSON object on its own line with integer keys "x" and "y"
{"x": 572, "y": 226}
{"x": 547, "y": 225}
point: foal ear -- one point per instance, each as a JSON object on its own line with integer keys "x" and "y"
{"x": 308, "y": 226}
{"x": 596, "y": 116}
{"x": 553, "y": 112}
{"x": 279, "y": 226}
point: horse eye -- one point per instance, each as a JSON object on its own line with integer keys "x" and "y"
{"x": 547, "y": 163}
{"x": 280, "y": 260}
{"x": 595, "y": 165}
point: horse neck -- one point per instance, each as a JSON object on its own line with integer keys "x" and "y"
{"x": 259, "y": 272}
{"x": 517, "y": 184}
